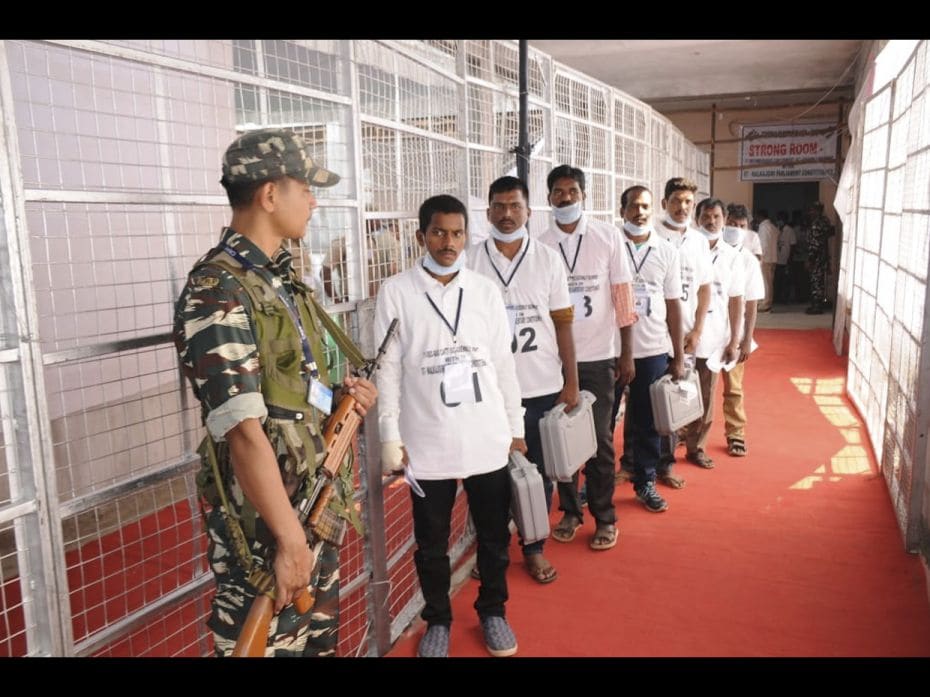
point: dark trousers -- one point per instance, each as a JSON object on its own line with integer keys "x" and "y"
{"x": 665, "y": 444}
{"x": 598, "y": 378}
{"x": 639, "y": 437}
{"x": 535, "y": 408}
{"x": 783, "y": 283}
{"x": 489, "y": 504}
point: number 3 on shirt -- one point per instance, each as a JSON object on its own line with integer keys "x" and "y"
{"x": 582, "y": 305}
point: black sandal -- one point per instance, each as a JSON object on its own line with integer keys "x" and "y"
{"x": 736, "y": 447}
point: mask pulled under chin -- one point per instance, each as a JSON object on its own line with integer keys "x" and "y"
{"x": 517, "y": 234}
{"x": 567, "y": 214}
{"x": 435, "y": 267}
{"x": 632, "y": 230}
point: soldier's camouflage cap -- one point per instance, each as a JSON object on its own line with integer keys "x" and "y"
{"x": 270, "y": 153}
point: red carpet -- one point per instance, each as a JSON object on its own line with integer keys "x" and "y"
{"x": 791, "y": 551}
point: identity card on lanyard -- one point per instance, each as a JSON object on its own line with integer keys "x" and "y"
{"x": 457, "y": 385}
{"x": 641, "y": 299}
{"x": 319, "y": 395}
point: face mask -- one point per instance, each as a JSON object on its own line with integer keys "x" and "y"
{"x": 711, "y": 236}
{"x": 632, "y": 230}
{"x": 517, "y": 234}
{"x": 733, "y": 235}
{"x": 435, "y": 267}
{"x": 669, "y": 220}
{"x": 568, "y": 214}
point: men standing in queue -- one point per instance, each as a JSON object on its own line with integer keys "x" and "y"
{"x": 720, "y": 339}
{"x": 249, "y": 341}
{"x": 450, "y": 409}
{"x": 734, "y": 412}
{"x": 696, "y": 277}
{"x": 656, "y": 334}
{"x": 533, "y": 283}
{"x": 599, "y": 286}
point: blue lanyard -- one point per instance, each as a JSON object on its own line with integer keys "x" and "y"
{"x": 513, "y": 273}
{"x": 288, "y": 303}
{"x": 633, "y": 258}
{"x": 458, "y": 314}
{"x": 571, "y": 269}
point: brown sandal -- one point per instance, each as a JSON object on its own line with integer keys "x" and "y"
{"x": 700, "y": 459}
{"x": 605, "y": 537}
{"x": 565, "y": 529}
{"x": 539, "y": 569}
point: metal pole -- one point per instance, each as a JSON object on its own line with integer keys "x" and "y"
{"x": 713, "y": 141}
{"x": 523, "y": 149}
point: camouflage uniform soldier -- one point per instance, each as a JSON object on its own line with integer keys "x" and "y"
{"x": 249, "y": 337}
{"x": 818, "y": 257}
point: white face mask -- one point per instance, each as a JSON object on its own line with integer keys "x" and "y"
{"x": 517, "y": 234}
{"x": 669, "y": 220}
{"x": 733, "y": 235}
{"x": 632, "y": 230}
{"x": 568, "y": 214}
{"x": 711, "y": 236}
{"x": 435, "y": 267}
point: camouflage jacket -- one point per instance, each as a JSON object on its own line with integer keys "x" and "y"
{"x": 216, "y": 337}
{"x": 820, "y": 230}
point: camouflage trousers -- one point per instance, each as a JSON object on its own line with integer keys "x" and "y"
{"x": 315, "y": 633}
{"x": 818, "y": 271}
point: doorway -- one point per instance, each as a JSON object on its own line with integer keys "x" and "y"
{"x": 786, "y": 202}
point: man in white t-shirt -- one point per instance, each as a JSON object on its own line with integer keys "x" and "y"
{"x": 720, "y": 340}
{"x": 734, "y": 413}
{"x": 787, "y": 238}
{"x": 533, "y": 283}
{"x": 696, "y": 278}
{"x": 451, "y": 410}
{"x": 599, "y": 286}
{"x": 656, "y": 334}
{"x": 751, "y": 239}
{"x": 768, "y": 234}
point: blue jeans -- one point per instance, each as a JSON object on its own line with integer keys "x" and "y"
{"x": 640, "y": 439}
{"x": 535, "y": 408}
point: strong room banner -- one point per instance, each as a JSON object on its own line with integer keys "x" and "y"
{"x": 788, "y": 152}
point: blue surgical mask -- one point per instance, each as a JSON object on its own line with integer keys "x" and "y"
{"x": 632, "y": 230}
{"x": 517, "y": 234}
{"x": 567, "y": 214}
{"x": 435, "y": 267}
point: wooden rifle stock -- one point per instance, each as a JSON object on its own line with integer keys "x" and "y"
{"x": 340, "y": 431}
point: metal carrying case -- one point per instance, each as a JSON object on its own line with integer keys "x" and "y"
{"x": 568, "y": 439}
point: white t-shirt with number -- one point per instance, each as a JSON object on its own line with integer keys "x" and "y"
{"x": 454, "y": 401}
{"x": 532, "y": 284}
{"x": 694, "y": 260}
{"x": 729, "y": 282}
{"x": 594, "y": 259}
{"x": 656, "y": 278}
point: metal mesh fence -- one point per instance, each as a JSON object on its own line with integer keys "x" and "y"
{"x": 114, "y": 167}
{"x": 887, "y": 265}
